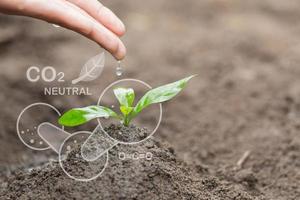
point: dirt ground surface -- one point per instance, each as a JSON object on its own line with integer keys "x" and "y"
{"x": 232, "y": 134}
{"x": 164, "y": 177}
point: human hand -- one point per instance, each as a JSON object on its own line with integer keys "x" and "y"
{"x": 87, "y": 17}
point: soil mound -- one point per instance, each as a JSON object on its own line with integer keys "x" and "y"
{"x": 163, "y": 176}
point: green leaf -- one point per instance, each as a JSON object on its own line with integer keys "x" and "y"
{"x": 125, "y": 96}
{"x": 78, "y": 116}
{"x": 126, "y": 110}
{"x": 160, "y": 94}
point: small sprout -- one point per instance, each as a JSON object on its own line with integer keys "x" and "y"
{"x": 126, "y": 97}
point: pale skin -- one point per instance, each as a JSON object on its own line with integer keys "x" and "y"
{"x": 86, "y": 17}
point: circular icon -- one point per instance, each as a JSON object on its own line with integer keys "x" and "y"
{"x": 28, "y": 121}
{"x": 149, "y": 156}
{"x": 73, "y": 163}
{"x": 149, "y": 117}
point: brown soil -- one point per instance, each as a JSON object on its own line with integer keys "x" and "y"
{"x": 163, "y": 177}
{"x": 244, "y": 99}
{"x": 127, "y": 134}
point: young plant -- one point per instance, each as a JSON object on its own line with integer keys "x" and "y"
{"x": 125, "y": 96}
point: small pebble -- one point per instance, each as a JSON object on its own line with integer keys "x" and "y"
{"x": 142, "y": 134}
{"x": 4, "y": 185}
{"x": 149, "y": 145}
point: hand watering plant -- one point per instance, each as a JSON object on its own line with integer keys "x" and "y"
{"x": 125, "y": 96}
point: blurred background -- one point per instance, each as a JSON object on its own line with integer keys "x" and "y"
{"x": 244, "y": 99}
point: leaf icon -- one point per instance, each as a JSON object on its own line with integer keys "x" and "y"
{"x": 91, "y": 69}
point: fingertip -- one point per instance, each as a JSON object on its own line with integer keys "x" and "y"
{"x": 121, "y": 52}
{"x": 122, "y": 29}
{"x": 111, "y": 21}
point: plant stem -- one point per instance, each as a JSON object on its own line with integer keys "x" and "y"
{"x": 126, "y": 120}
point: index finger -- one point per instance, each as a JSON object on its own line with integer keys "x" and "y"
{"x": 61, "y": 13}
{"x": 102, "y": 14}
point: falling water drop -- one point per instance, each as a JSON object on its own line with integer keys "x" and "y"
{"x": 69, "y": 148}
{"x": 119, "y": 70}
{"x": 31, "y": 141}
{"x": 41, "y": 142}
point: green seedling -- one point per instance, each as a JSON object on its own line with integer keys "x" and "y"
{"x": 126, "y": 97}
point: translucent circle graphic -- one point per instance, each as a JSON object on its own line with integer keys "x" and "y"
{"x": 144, "y": 125}
{"x": 27, "y": 124}
{"x": 73, "y": 163}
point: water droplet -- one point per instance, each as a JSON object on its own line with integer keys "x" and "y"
{"x": 69, "y": 148}
{"x": 77, "y": 155}
{"x": 75, "y": 141}
{"x": 31, "y": 141}
{"x": 119, "y": 70}
{"x": 41, "y": 142}
{"x": 112, "y": 106}
{"x": 120, "y": 133}
{"x": 31, "y": 133}
{"x": 34, "y": 127}
{"x": 27, "y": 130}
{"x": 22, "y": 132}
